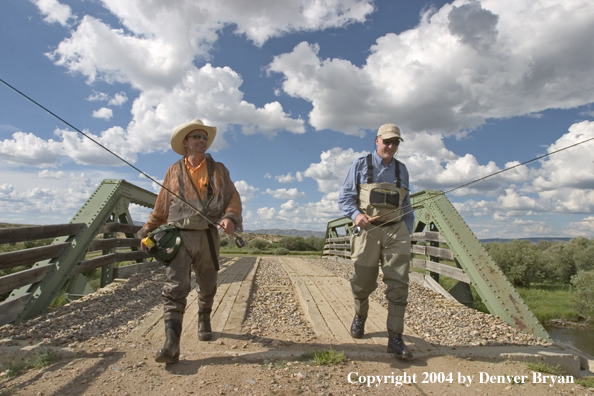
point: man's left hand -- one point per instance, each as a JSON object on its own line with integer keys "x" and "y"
{"x": 227, "y": 225}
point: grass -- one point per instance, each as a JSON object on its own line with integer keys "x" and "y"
{"x": 328, "y": 357}
{"x": 587, "y": 382}
{"x": 40, "y": 359}
{"x": 546, "y": 368}
{"x": 550, "y": 301}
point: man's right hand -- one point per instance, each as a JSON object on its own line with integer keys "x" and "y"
{"x": 362, "y": 220}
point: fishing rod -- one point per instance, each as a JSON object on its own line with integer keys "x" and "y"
{"x": 357, "y": 230}
{"x": 238, "y": 239}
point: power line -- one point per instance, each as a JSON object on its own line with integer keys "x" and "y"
{"x": 239, "y": 240}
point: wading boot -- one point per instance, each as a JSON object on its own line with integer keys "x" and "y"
{"x": 204, "y": 330}
{"x": 358, "y": 326}
{"x": 398, "y": 348}
{"x": 170, "y": 351}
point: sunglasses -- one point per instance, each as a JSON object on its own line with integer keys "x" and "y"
{"x": 198, "y": 137}
{"x": 394, "y": 142}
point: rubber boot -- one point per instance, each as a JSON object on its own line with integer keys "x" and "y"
{"x": 398, "y": 348}
{"x": 170, "y": 351}
{"x": 204, "y": 329}
{"x": 358, "y": 326}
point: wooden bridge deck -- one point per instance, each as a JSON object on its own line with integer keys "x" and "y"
{"x": 328, "y": 304}
{"x": 325, "y": 299}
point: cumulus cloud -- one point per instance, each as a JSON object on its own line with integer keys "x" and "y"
{"x": 289, "y": 178}
{"x": 330, "y": 172}
{"x": 246, "y": 191}
{"x": 54, "y": 11}
{"x": 26, "y": 148}
{"x": 283, "y": 193}
{"x": 118, "y": 99}
{"x": 104, "y": 113}
{"x": 464, "y": 63}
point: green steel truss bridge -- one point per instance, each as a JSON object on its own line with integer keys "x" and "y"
{"x": 102, "y": 234}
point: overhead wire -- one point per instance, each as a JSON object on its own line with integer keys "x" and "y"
{"x": 239, "y": 240}
{"x": 219, "y": 225}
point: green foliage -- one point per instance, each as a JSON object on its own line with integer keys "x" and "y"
{"x": 559, "y": 261}
{"x": 587, "y": 382}
{"x": 550, "y": 301}
{"x": 281, "y": 252}
{"x": 223, "y": 242}
{"x": 328, "y": 357}
{"x": 259, "y": 244}
{"x": 583, "y": 284}
{"x": 297, "y": 243}
{"x": 521, "y": 261}
{"x": 546, "y": 368}
{"x": 40, "y": 359}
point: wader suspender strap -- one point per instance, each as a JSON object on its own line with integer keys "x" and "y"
{"x": 211, "y": 246}
{"x": 370, "y": 170}
{"x": 209, "y": 194}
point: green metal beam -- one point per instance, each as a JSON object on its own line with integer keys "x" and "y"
{"x": 98, "y": 210}
{"x": 331, "y": 229}
{"x": 498, "y": 294}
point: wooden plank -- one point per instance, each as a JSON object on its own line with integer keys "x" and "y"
{"x": 239, "y": 310}
{"x": 110, "y": 243}
{"x": 332, "y": 246}
{"x": 442, "y": 269}
{"x": 22, "y": 278}
{"x": 32, "y": 255}
{"x": 308, "y": 303}
{"x": 94, "y": 263}
{"x": 442, "y": 253}
{"x": 342, "y": 253}
{"x": 31, "y": 233}
{"x": 339, "y": 239}
{"x": 219, "y": 319}
{"x": 124, "y": 272}
{"x": 429, "y": 236}
{"x": 119, "y": 227}
{"x": 10, "y": 309}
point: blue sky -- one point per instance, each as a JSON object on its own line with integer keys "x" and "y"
{"x": 297, "y": 90}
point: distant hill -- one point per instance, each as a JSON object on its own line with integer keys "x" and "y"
{"x": 533, "y": 240}
{"x": 291, "y": 232}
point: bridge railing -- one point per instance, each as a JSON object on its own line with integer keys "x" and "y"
{"x": 425, "y": 258}
{"x": 444, "y": 245}
{"x": 29, "y": 267}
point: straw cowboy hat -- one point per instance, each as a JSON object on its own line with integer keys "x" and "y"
{"x": 180, "y": 133}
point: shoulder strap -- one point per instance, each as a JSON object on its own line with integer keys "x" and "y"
{"x": 180, "y": 179}
{"x": 369, "y": 169}
{"x": 397, "y": 173}
{"x": 210, "y": 166}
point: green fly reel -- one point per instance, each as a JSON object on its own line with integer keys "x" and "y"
{"x": 163, "y": 243}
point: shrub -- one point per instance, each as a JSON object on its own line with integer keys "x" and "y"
{"x": 583, "y": 283}
{"x": 224, "y": 242}
{"x": 281, "y": 251}
{"x": 259, "y": 244}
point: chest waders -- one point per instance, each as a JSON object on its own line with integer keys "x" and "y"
{"x": 196, "y": 222}
{"x": 387, "y": 245}
{"x": 382, "y": 199}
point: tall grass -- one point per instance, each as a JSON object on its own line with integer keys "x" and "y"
{"x": 550, "y": 301}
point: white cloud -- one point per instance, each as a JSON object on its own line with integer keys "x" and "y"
{"x": 104, "y": 113}
{"x": 26, "y": 148}
{"x": 464, "y": 63}
{"x": 330, "y": 172}
{"x": 54, "y": 11}
{"x": 85, "y": 152}
{"x": 98, "y": 97}
{"x": 580, "y": 228}
{"x": 118, "y": 99}
{"x": 246, "y": 191}
{"x": 283, "y": 193}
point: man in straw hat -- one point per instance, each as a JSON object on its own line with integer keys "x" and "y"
{"x": 375, "y": 196}
{"x": 205, "y": 184}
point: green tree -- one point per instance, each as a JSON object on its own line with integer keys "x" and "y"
{"x": 583, "y": 284}
{"x": 520, "y": 260}
{"x": 560, "y": 263}
{"x": 295, "y": 243}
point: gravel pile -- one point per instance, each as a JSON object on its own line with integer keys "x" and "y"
{"x": 110, "y": 312}
{"x": 274, "y": 310}
{"x": 440, "y": 322}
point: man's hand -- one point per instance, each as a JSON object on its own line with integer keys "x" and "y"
{"x": 227, "y": 225}
{"x": 362, "y": 220}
